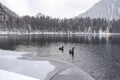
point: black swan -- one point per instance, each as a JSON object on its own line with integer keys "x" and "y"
{"x": 71, "y": 51}
{"x": 61, "y": 48}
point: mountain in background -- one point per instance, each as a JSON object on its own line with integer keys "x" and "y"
{"x": 109, "y": 9}
{"x": 11, "y": 22}
{"x": 6, "y": 15}
{"x": 7, "y": 11}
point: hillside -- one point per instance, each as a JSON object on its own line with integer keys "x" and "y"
{"x": 6, "y": 15}
{"x": 109, "y": 9}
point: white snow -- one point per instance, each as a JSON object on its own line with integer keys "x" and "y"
{"x": 10, "y": 54}
{"x": 38, "y": 69}
{"x": 6, "y": 75}
{"x": 12, "y": 68}
{"x": 52, "y": 33}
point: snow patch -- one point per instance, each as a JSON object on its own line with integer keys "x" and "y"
{"x": 10, "y": 54}
{"x": 6, "y": 75}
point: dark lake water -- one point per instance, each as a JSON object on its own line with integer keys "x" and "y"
{"x": 97, "y": 55}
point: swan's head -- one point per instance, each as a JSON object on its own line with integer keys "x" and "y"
{"x": 73, "y": 48}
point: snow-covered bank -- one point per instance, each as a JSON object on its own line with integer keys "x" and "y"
{"x": 10, "y": 54}
{"x": 20, "y": 69}
{"x": 75, "y": 33}
{"x": 6, "y": 75}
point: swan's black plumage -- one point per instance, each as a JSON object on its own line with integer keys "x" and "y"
{"x": 71, "y": 51}
{"x": 61, "y": 48}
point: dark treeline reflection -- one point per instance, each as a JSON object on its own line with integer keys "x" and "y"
{"x": 11, "y": 41}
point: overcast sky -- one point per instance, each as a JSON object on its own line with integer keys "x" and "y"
{"x": 54, "y": 8}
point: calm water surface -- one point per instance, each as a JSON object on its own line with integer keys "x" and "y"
{"x": 97, "y": 55}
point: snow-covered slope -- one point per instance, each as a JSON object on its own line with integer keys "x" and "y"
{"x": 6, "y": 15}
{"x": 109, "y": 9}
{"x": 7, "y": 11}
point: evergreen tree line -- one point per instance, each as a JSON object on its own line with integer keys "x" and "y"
{"x": 48, "y": 24}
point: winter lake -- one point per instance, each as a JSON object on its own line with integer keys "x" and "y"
{"x": 98, "y": 55}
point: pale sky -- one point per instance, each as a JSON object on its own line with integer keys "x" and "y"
{"x": 53, "y": 8}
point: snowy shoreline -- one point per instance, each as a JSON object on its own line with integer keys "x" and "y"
{"x": 61, "y": 33}
{"x": 41, "y": 69}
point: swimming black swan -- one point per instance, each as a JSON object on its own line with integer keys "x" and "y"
{"x": 71, "y": 51}
{"x": 61, "y": 48}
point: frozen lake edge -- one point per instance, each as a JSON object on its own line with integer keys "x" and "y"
{"x": 42, "y": 69}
